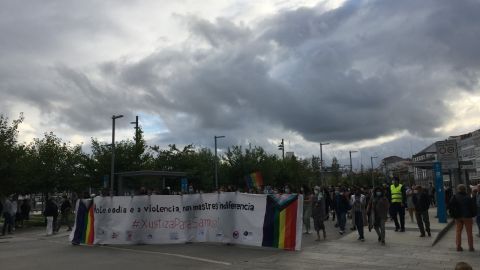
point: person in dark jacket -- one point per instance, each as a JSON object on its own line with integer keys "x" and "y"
{"x": 463, "y": 208}
{"x": 341, "y": 208}
{"x": 378, "y": 210}
{"x": 51, "y": 213}
{"x": 319, "y": 212}
{"x": 65, "y": 210}
{"x": 421, "y": 201}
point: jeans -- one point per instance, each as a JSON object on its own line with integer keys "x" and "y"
{"x": 379, "y": 227}
{"x": 468, "y": 223}
{"x": 359, "y": 223}
{"x": 423, "y": 219}
{"x": 398, "y": 209}
{"x": 342, "y": 220}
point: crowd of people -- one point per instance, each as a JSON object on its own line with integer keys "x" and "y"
{"x": 366, "y": 208}
{"x": 372, "y": 208}
{"x": 16, "y": 210}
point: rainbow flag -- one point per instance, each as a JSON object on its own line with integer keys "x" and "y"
{"x": 84, "y": 232}
{"x": 254, "y": 180}
{"x": 280, "y": 223}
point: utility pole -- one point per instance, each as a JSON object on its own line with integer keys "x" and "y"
{"x": 112, "y": 171}
{"x": 137, "y": 142}
{"x": 282, "y": 147}
{"x": 136, "y": 130}
{"x": 321, "y": 162}
{"x": 371, "y": 161}
{"x": 351, "y": 168}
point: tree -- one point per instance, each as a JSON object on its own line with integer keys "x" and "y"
{"x": 53, "y": 165}
{"x": 9, "y": 154}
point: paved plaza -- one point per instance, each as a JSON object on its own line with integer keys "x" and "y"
{"x": 32, "y": 250}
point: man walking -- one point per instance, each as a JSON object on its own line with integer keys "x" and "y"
{"x": 7, "y": 216}
{"x": 463, "y": 208}
{"x": 397, "y": 199}
{"x": 341, "y": 207}
{"x": 65, "y": 210}
{"x": 378, "y": 211}
{"x": 359, "y": 213}
{"x": 422, "y": 203}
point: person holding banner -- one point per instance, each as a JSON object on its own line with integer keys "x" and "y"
{"x": 319, "y": 212}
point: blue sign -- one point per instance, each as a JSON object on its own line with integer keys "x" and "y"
{"x": 184, "y": 182}
{"x": 440, "y": 191}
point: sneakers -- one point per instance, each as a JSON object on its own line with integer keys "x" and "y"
{"x": 341, "y": 232}
{"x": 429, "y": 234}
{"x": 471, "y": 249}
{"x": 422, "y": 235}
{"x": 459, "y": 249}
{"x": 402, "y": 230}
{"x": 397, "y": 229}
{"x": 383, "y": 243}
{"x": 361, "y": 239}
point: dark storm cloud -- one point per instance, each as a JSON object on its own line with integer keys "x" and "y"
{"x": 364, "y": 70}
{"x": 367, "y": 69}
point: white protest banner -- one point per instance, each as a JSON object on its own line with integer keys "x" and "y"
{"x": 247, "y": 219}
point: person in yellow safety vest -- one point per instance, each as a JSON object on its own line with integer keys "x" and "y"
{"x": 398, "y": 199}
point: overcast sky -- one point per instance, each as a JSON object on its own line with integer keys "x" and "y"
{"x": 383, "y": 77}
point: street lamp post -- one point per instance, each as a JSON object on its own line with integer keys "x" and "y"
{"x": 321, "y": 162}
{"x": 216, "y": 161}
{"x": 351, "y": 170}
{"x": 112, "y": 172}
{"x": 281, "y": 146}
{"x": 371, "y": 161}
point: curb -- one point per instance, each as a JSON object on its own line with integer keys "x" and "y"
{"x": 443, "y": 232}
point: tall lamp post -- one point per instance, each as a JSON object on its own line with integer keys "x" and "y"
{"x": 321, "y": 162}
{"x": 351, "y": 169}
{"x": 112, "y": 172}
{"x": 281, "y": 146}
{"x": 371, "y": 162}
{"x": 216, "y": 161}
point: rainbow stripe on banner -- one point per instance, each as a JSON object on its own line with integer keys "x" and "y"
{"x": 280, "y": 224}
{"x": 84, "y": 232}
{"x": 254, "y": 180}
